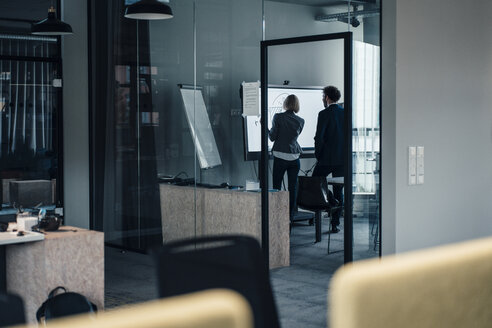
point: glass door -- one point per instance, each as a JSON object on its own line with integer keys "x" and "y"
{"x": 304, "y": 67}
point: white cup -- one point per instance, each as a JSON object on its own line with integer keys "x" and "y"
{"x": 26, "y": 223}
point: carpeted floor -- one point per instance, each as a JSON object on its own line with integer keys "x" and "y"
{"x": 300, "y": 290}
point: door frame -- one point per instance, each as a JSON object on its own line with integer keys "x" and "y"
{"x": 348, "y": 220}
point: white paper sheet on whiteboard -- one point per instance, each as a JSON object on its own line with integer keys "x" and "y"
{"x": 251, "y": 98}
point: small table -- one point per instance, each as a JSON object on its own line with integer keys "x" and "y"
{"x": 335, "y": 181}
{"x": 9, "y": 238}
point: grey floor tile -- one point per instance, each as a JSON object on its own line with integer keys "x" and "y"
{"x": 300, "y": 290}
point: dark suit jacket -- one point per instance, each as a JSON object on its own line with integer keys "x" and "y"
{"x": 286, "y": 127}
{"x": 328, "y": 141}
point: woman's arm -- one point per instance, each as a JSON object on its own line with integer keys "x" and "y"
{"x": 302, "y": 125}
{"x": 273, "y": 133}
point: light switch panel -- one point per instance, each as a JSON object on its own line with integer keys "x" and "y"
{"x": 420, "y": 165}
{"x": 412, "y": 165}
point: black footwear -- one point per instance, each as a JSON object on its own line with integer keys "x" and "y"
{"x": 334, "y": 229}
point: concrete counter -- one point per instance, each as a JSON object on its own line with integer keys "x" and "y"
{"x": 224, "y": 211}
{"x": 70, "y": 257}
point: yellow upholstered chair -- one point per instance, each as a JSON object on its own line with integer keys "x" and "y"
{"x": 448, "y": 286}
{"x": 215, "y": 308}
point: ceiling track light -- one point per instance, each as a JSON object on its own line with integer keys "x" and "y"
{"x": 359, "y": 14}
{"x": 149, "y": 10}
{"x": 51, "y": 25}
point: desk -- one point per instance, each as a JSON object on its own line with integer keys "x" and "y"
{"x": 71, "y": 257}
{"x": 9, "y": 238}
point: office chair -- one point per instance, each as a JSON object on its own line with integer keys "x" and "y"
{"x": 11, "y": 310}
{"x": 208, "y": 309}
{"x": 232, "y": 262}
{"x": 447, "y": 286}
{"x": 314, "y": 195}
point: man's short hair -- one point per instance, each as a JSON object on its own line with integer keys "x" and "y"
{"x": 332, "y": 92}
{"x": 291, "y": 103}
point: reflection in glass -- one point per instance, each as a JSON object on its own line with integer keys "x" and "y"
{"x": 29, "y": 108}
{"x": 366, "y": 149}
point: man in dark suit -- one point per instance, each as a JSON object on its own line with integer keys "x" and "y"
{"x": 329, "y": 142}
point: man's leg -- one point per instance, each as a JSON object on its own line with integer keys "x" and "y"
{"x": 337, "y": 171}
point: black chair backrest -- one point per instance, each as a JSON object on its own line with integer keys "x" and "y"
{"x": 11, "y": 310}
{"x": 314, "y": 193}
{"x": 233, "y": 262}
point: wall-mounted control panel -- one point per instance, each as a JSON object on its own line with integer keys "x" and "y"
{"x": 412, "y": 168}
{"x": 420, "y": 165}
{"x": 415, "y": 165}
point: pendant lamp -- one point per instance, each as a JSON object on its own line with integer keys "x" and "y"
{"x": 51, "y": 25}
{"x": 149, "y": 10}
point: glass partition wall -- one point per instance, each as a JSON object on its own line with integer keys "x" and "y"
{"x": 176, "y": 107}
{"x": 172, "y": 152}
{"x": 175, "y": 117}
{"x": 30, "y": 130}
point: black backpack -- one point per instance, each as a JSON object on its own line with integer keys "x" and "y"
{"x": 64, "y": 304}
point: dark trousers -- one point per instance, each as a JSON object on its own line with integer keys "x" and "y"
{"x": 292, "y": 168}
{"x": 336, "y": 171}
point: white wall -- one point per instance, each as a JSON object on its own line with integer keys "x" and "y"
{"x": 76, "y": 115}
{"x": 443, "y": 97}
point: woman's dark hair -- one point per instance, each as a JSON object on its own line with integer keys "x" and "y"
{"x": 332, "y": 92}
{"x": 291, "y": 103}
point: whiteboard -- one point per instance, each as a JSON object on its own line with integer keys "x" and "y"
{"x": 200, "y": 127}
{"x": 310, "y": 104}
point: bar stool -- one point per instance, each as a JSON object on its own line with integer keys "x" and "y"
{"x": 314, "y": 195}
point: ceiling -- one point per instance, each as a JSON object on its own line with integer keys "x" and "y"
{"x": 324, "y": 3}
{"x": 14, "y": 18}
{"x": 38, "y": 9}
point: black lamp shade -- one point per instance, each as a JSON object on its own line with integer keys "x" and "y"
{"x": 51, "y": 25}
{"x": 149, "y": 10}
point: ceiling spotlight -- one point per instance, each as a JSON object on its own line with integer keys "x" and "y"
{"x": 354, "y": 22}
